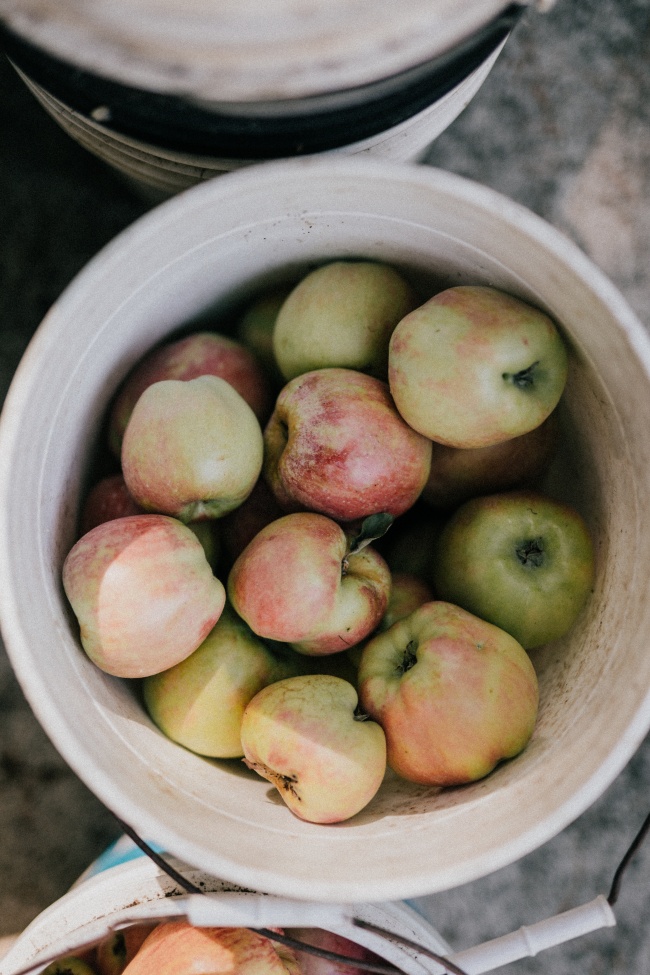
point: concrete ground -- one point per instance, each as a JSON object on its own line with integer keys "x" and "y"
{"x": 562, "y": 125}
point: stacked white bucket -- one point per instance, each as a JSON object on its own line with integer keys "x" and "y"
{"x": 286, "y": 59}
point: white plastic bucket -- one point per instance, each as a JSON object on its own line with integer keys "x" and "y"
{"x": 212, "y": 246}
{"x": 139, "y": 890}
{"x": 171, "y": 94}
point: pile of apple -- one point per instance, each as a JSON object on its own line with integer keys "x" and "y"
{"x": 177, "y": 948}
{"x": 234, "y": 562}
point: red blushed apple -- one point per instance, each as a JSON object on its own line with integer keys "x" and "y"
{"x": 305, "y": 735}
{"x": 242, "y": 525}
{"x": 298, "y": 583}
{"x": 109, "y": 498}
{"x": 143, "y": 593}
{"x": 329, "y": 941}
{"x": 192, "y": 449}
{"x": 199, "y": 354}
{"x": 336, "y": 444}
{"x": 458, "y": 474}
{"x": 177, "y": 948}
{"x": 455, "y": 695}
{"x": 474, "y": 366}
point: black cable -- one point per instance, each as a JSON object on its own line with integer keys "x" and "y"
{"x": 615, "y": 889}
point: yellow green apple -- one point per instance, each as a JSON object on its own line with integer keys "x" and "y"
{"x": 199, "y": 703}
{"x": 474, "y": 366}
{"x": 192, "y": 449}
{"x": 306, "y": 737}
{"x": 341, "y": 314}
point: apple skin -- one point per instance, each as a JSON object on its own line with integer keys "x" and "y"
{"x": 341, "y": 314}
{"x": 109, "y": 498}
{"x": 519, "y": 559}
{"x": 177, "y": 948}
{"x": 407, "y": 593}
{"x": 458, "y": 474}
{"x": 114, "y": 952}
{"x": 455, "y": 695}
{"x": 143, "y": 593}
{"x": 329, "y": 941}
{"x": 242, "y": 525}
{"x": 336, "y": 444}
{"x": 199, "y": 354}
{"x": 297, "y": 583}
{"x": 70, "y": 965}
{"x": 304, "y": 736}
{"x": 199, "y": 703}
{"x": 474, "y": 366}
{"x": 256, "y": 325}
{"x": 192, "y": 449}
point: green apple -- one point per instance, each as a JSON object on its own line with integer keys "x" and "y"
{"x": 341, "y": 314}
{"x": 199, "y": 703}
{"x": 454, "y": 694}
{"x": 192, "y": 449}
{"x": 70, "y": 965}
{"x": 519, "y": 559}
{"x": 256, "y": 325}
{"x": 305, "y": 735}
{"x": 474, "y": 366}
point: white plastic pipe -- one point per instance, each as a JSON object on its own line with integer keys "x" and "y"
{"x": 529, "y": 940}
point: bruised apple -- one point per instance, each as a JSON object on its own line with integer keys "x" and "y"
{"x": 474, "y": 366}
{"x": 199, "y": 354}
{"x": 299, "y": 583}
{"x": 455, "y": 695}
{"x": 336, "y": 444}
{"x": 178, "y": 948}
{"x": 341, "y": 314}
{"x": 143, "y": 593}
{"x": 199, "y": 702}
{"x": 519, "y": 559}
{"x": 192, "y": 449}
{"x": 305, "y": 736}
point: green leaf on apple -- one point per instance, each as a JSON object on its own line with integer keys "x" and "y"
{"x": 372, "y": 528}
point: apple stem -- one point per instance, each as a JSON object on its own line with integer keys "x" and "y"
{"x": 523, "y": 379}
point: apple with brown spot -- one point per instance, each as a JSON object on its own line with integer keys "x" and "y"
{"x": 335, "y": 444}
{"x": 474, "y": 366}
{"x": 455, "y": 695}
{"x": 306, "y": 736}
{"x": 298, "y": 582}
{"x": 143, "y": 593}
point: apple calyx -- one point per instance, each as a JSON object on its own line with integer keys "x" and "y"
{"x": 524, "y": 379}
{"x": 283, "y": 783}
{"x": 531, "y": 553}
{"x": 409, "y": 658}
